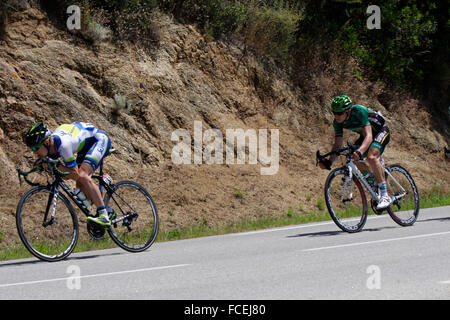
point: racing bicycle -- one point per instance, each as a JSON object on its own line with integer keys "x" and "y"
{"x": 48, "y": 226}
{"x": 346, "y": 199}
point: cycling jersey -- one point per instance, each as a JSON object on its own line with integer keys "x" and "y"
{"x": 361, "y": 117}
{"x": 90, "y": 143}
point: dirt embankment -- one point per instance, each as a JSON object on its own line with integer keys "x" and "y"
{"x": 49, "y": 75}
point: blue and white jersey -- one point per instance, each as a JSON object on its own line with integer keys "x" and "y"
{"x": 82, "y": 138}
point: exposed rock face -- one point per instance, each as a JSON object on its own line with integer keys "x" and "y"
{"x": 49, "y": 75}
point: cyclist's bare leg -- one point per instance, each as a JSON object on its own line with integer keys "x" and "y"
{"x": 88, "y": 186}
{"x": 362, "y": 166}
{"x": 373, "y": 158}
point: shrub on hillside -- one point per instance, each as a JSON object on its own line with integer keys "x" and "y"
{"x": 272, "y": 30}
{"x": 129, "y": 20}
{"x": 410, "y": 51}
{"x": 137, "y": 26}
{"x": 268, "y": 27}
{"x": 214, "y": 17}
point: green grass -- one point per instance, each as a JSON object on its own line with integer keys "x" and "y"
{"x": 288, "y": 218}
{"x": 433, "y": 198}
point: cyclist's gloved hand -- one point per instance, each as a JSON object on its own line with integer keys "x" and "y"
{"x": 357, "y": 155}
{"x": 322, "y": 161}
{"x": 37, "y": 165}
{"x": 325, "y": 164}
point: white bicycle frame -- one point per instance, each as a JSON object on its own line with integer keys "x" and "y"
{"x": 353, "y": 169}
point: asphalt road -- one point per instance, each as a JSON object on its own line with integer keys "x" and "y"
{"x": 311, "y": 261}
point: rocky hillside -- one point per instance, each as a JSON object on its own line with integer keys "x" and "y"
{"x": 49, "y": 75}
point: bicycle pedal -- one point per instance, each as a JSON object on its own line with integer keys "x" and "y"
{"x": 378, "y": 212}
{"x": 95, "y": 232}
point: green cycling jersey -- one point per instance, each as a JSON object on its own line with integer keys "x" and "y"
{"x": 360, "y": 117}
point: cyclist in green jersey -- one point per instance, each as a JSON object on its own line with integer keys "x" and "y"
{"x": 374, "y": 136}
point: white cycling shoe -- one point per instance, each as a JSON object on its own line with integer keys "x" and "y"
{"x": 385, "y": 201}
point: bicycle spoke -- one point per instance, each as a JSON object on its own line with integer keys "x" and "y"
{"x": 53, "y": 240}
{"x": 402, "y": 189}
{"x": 346, "y": 201}
{"x": 136, "y": 223}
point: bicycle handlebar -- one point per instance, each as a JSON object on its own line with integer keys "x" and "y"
{"x": 37, "y": 165}
{"x": 349, "y": 149}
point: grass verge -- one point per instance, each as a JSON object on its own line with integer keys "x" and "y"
{"x": 434, "y": 198}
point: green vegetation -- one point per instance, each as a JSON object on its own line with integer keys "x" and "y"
{"x": 238, "y": 194}
{"x": 401, "y": 51}
{"x": 410, "y": 51}
{"x": 320, "y": 204}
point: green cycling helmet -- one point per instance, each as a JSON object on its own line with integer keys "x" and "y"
{"x": 37, "y": 135}
{"x": 341, "y": 103}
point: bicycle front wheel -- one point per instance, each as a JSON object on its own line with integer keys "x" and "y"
{"x": 346, "y": 201}
{"x": 135, "y": 226}
{"x": 49, "y": 242}
{"x": 405, "y": 206}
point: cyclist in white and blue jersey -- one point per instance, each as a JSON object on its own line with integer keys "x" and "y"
{"x": 89, "y": 143}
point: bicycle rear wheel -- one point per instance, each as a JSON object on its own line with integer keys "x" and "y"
{"x": 55, "y": 241}
{"x": 136, "y": 223}
{"x": 405, "y": 206}
{"x": 349, "y": 213}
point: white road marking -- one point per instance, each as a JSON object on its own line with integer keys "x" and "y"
{"x": 92, "y": 275}
{"x": 301, "y": 226}
{"x": 379, "y": 241}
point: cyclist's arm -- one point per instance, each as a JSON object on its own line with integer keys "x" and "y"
{"x": 73, "y": 172}
{"x": 338, "y": 140}
{"x": 69, "y": 164}
{"x": 368, "y": 138}
{"x": 64, "y": 148}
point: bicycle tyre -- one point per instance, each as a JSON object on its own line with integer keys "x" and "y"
{"x": 32, "y": 240}
{"x": 342, "y": 222}
{"x": 147, "y": 231}
{"x": 397, "y": 215}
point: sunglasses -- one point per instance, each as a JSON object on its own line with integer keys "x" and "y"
{"x": 37, "y": 147}
{"x": 338, "y": 113}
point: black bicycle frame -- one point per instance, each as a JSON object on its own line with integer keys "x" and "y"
{"x": 52, "y": 199}
{"x": 54, "y": 191}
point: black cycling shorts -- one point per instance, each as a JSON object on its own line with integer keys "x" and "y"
{"x": 380, "y": 140}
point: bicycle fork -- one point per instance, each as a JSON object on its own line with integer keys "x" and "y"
{"x": 52, "y": 199}
{"x": 348, "y": 179}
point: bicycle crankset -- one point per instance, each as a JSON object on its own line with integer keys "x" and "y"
{"x": 373, "y": 204}
{"x": 95, "y": 231}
